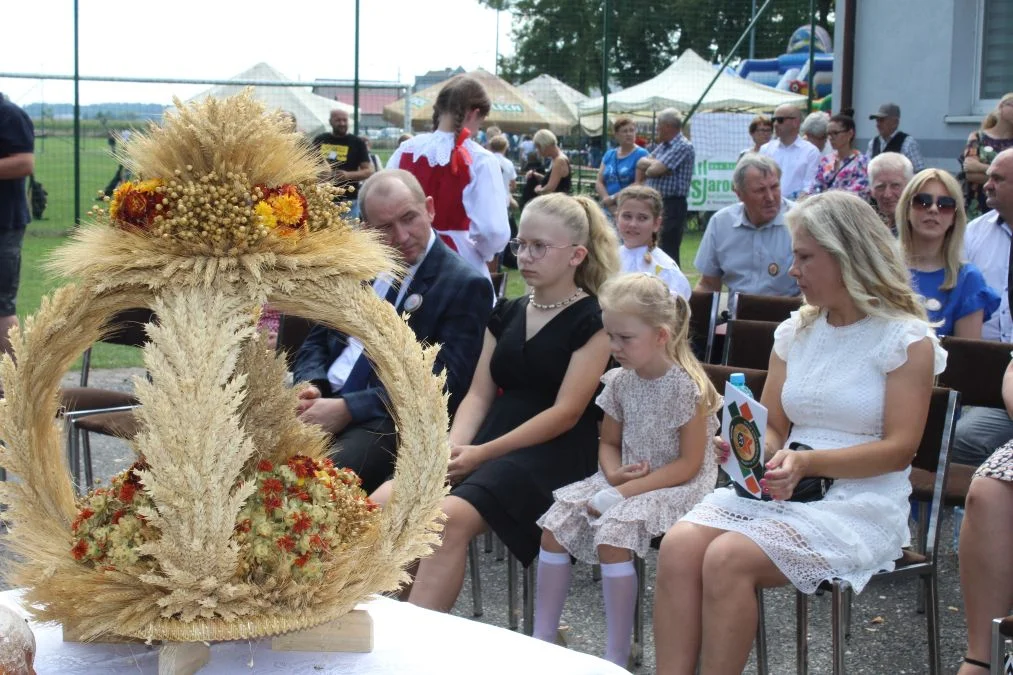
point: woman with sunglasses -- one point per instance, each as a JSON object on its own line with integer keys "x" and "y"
{"x": 931, "y": 222}
{"x": 528, "y": 424}
{"x": 845, "y": 168}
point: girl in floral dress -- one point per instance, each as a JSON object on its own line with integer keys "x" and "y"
{"x": 654, "y": 465}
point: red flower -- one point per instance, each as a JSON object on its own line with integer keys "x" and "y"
{"x": 244, "y": 525}
{"x": 272, "y": 502}
{"x": 301, "y": 523}
{"x": 272, "y": 486}
{"x": 302, "y": 560}
{"x": 302, "y": 466}
{"x": 119, "y": 514}
{"x": 265, "y": 466}
{"x": 285, "y": 543}
{"x": 82, "y": 516}
{"x": 127, "y": 491}
{"x": 80, "y": 549}
{"x": 317, "y": 542}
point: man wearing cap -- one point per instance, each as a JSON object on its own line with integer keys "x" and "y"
{"x": 891, "y": 140}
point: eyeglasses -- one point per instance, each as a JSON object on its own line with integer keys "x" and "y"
{"x": 764, "y": 130}
{"x": 779, "y": 120}
{"x": 923, "y": 201}
{"x": 536, "y": 249}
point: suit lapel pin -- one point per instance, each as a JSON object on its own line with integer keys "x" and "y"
{"x": 412, "y": 303}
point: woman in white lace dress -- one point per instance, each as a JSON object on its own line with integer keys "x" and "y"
{"x": 850, "y": 376}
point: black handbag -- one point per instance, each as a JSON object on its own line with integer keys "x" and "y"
{"x": 809, "y": 489}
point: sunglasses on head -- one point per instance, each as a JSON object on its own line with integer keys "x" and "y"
{"x": 780, "y": 120}
{"x": 924, "y": 201}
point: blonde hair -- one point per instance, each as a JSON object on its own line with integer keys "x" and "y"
{"x": 544, "y": 138}
{"x": 953, "y": 240}
{"x": 584, "y": 219}
{"x": 649, "y": 299}
{"x": 871, "y": 262}
{"x": 652, "y": 198}
{"x": 992, "y": 118}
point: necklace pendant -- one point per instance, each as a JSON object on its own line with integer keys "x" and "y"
{"x": 554, "y": 305}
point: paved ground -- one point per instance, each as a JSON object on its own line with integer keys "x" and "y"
{"x": 888, "y": 636}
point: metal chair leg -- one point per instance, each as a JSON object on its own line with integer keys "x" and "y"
{"x": 73, "y": 458}
{"x": 595, "y": 572}
{"x": 513, "y": 616}
{"x": 761, "y": 635}
{"x": 529, "y": 599}
{"x": 89, "y": 471}
{"x": 637, "y": 650}
{"x": 801, "y": 633}
{"x": 500, "y": 548}
{"x": 998, "y": 647}
{"x": 849, "y": 600}
{"x": 476, "y": 578}
{"x": 932, "y": 623}
{"x": 837, "y": 625}
{"x": 488, "y": 541}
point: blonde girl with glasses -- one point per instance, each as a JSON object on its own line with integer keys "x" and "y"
{"x": 528, "y": 425}
{"x": 654, "y": 463}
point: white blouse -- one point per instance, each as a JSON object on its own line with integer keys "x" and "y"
{"x": 659, "y": 264}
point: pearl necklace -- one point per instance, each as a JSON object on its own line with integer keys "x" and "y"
{"x": 555, "y": 305}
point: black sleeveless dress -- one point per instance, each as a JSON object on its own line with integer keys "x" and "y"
{"x": 511, "y": 492}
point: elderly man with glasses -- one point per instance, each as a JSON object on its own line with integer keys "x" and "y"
{"x": 798, "y": 158}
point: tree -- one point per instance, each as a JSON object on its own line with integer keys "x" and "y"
{"x": 563, "y": 38}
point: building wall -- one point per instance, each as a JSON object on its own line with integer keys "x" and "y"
{"x": 919, "y": 54}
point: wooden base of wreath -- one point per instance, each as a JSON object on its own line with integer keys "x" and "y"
{"x": 352, "y": 632}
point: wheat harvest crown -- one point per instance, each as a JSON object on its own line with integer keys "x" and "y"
{"x": 232, "y": 524}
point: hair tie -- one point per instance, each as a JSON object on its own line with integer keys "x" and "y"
{"x": 460, "y": 156}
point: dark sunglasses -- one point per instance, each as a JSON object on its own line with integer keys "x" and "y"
{"x": 924, "y": 201}
{"x": 779, "y": 120}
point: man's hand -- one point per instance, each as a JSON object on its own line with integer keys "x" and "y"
{"x": 330, "y": 413}
{"x": 339, "y": 175}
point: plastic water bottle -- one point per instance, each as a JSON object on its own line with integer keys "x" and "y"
{"x": 738, "y": 380}
{"x": 958, "y": 519}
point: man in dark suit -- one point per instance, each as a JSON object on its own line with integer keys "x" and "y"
{"x": 447, "y": 303}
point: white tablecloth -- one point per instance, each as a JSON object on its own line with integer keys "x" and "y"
{"x": 406, "y": 639}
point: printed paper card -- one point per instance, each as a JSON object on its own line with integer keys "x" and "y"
{"x": 744, "y": 426}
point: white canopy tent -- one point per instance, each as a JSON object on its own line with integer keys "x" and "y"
{"x": 556, "y": 95}
{"x": 312, "y": 112}
{"x": 680, "y": 85}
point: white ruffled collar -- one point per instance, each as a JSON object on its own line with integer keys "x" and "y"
{"x": 436, "y": 147}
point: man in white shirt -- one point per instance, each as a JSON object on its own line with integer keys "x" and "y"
{"x": 987, "y": 244}
{"x": 798, "y": 158}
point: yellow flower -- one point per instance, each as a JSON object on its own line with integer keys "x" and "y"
{"x": 266, "y": 215}
{"x": 148, "y": 186}
{"x": 287, "y": 209}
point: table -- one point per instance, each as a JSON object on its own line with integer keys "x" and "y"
{"x": 407, "y": 639}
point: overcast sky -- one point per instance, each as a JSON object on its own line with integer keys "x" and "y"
{"x": 217, "y": 39}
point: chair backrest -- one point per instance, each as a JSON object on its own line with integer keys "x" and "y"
{"x": 755, "y": 379}
{"x": 703, "y": 319}
{"x": 292, "y": 332}
{"x": 124, "y": 328}
{"x": 934, "y": 454}
{"x": 975, "y": 368}
{"x": 748, "y": 343}
{"x": 764, "y": 307}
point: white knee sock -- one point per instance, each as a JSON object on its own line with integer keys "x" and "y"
{"x": 619, "y": 586}
{"x": 551, "y": 587}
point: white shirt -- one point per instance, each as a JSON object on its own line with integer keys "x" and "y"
{"x": 798, "y": 161}
{"x": 509, "y": 174}
{"x": 659, "y": 264}
{"x": 986, "y": 244}
{"x": 339, "y": 371}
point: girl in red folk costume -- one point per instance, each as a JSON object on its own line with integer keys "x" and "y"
{"x": 461, "y": 176}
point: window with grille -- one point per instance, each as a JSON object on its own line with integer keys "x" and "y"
{"x": 995, "y": 67}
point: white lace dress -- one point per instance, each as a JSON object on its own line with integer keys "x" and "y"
{"x": 651, "y": 412}
{"x": 833, "y": 394}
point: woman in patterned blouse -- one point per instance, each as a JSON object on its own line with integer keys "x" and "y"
{"x": 845, "y": 168}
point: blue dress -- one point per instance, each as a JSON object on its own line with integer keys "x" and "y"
{"x": 619, "y": 173}
{"x": 970, "y": 294}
